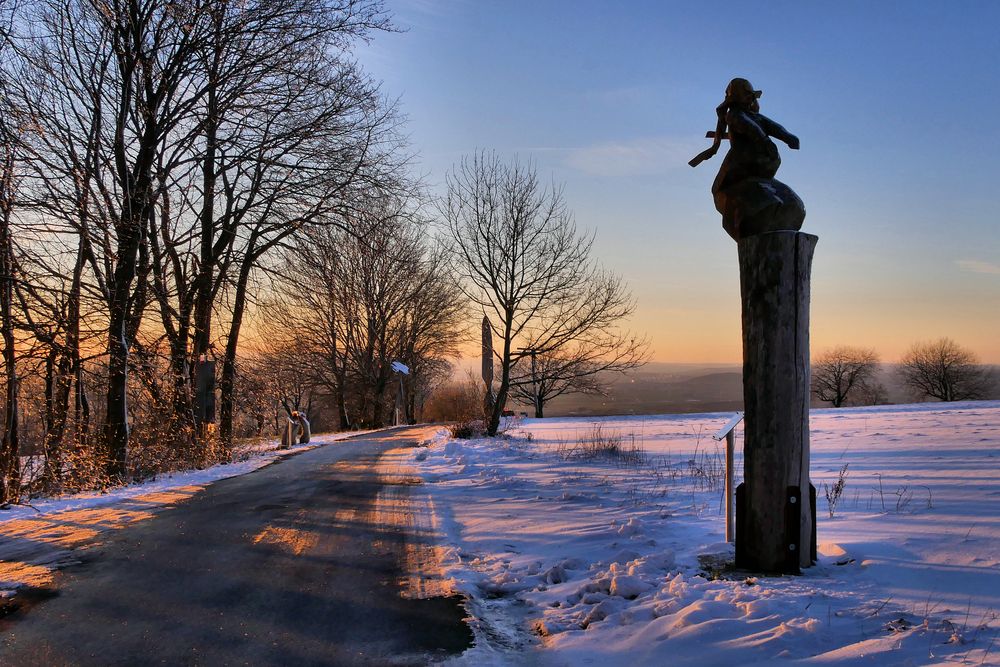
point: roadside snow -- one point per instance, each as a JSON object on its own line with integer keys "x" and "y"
{"x": 570, "y": 558}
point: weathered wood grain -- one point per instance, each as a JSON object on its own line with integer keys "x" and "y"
{"x": 775, "y": 283}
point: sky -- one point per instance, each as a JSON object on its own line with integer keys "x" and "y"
{"x": 895, "y": 103}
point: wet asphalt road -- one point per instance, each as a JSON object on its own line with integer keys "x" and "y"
{"x": 283, "y": 566}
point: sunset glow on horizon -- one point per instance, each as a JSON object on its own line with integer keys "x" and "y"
{"x": 893, "y": 105}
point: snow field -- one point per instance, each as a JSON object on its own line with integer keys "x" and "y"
{"x": 573, "y": 557}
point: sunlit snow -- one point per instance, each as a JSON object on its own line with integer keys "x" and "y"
{"x": 572, "y": 560}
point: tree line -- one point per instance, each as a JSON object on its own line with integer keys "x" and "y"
{"x": 940, "y": 370}
{"x": 168, "y": 170}
{"x": 207, "y": 199}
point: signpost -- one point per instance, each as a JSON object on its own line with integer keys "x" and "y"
{"x": 729, "y": 433}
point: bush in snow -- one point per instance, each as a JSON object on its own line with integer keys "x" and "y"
{"x": 466, "y": 430}
{"x": 601, "y": 444}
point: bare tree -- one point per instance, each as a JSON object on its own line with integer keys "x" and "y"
{"x": 106, "y": 85}
{"x": 170, "y": 148}
{"x": 278, "y": 85}
{"x": 525, "y": 265}
{"x": 287, "y": 366}
{"x": 843, "y": 372}
{"x": 430, "y": 328}
{"x": 583, "y": 367}
{"x": 343, "y": 155}
{"x": 944, "y": 370}
{"x": 371, "y": 297}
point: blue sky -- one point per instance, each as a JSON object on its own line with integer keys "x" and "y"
{"x": 895, "y": 104}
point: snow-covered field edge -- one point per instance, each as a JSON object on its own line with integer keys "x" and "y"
{"x": 570, "y": 556}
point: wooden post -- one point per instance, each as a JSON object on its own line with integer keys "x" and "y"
{"x": 487, "y": 353}
{"x": 776, "y": 527}
{"x": 730, "y": 499}
{"x": 534, "y": 384}
{"x": 400, "y": 397}
{"x": 288, "y": 435}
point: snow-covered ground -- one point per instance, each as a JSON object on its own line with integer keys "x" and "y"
{"x": 570, "y": 559}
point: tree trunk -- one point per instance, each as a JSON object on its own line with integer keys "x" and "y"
{"x": 10, "y": 463}
{"x": 81, "y": 406}
{"x": 345, "y": 422}
{"x": 540, "y": 399}
{"x": 180, "y": 371}
{"x": 64, "y": 369}
{"x": 58, "y": 384}
{"x": 227, "y": 381}
{"x": 116, "y": 428}
{"x": 378, "y": 400}
{"x": 206, "y": 265}
{"x": 501, "y": 398}
{"x": 49, "y": 394}
{"x": 340, "y": 373}
{"x": 776, "y": 531}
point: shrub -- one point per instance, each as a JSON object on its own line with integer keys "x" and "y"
{"x": 601, "y": 444}
{"x": 468, "y": 429}
{"x": 459, "y": 401}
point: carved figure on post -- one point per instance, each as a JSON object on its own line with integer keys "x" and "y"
{"x": 746, "y": 193}
{"x": 297, "y": 430}
{"x": 775, "y": 505}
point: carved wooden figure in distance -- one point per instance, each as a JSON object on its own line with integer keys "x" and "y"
{"x": 746, "y": 193}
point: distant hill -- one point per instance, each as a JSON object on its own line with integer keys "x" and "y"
{"x": 660, "y": 388}
{"x": 664, "y": 388}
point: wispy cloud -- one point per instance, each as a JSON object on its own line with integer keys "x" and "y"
{"x": 634, "y": 157}
{"x": 976, "y": 266}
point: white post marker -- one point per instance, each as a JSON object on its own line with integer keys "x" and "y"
{"x": 729, "y": 433}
